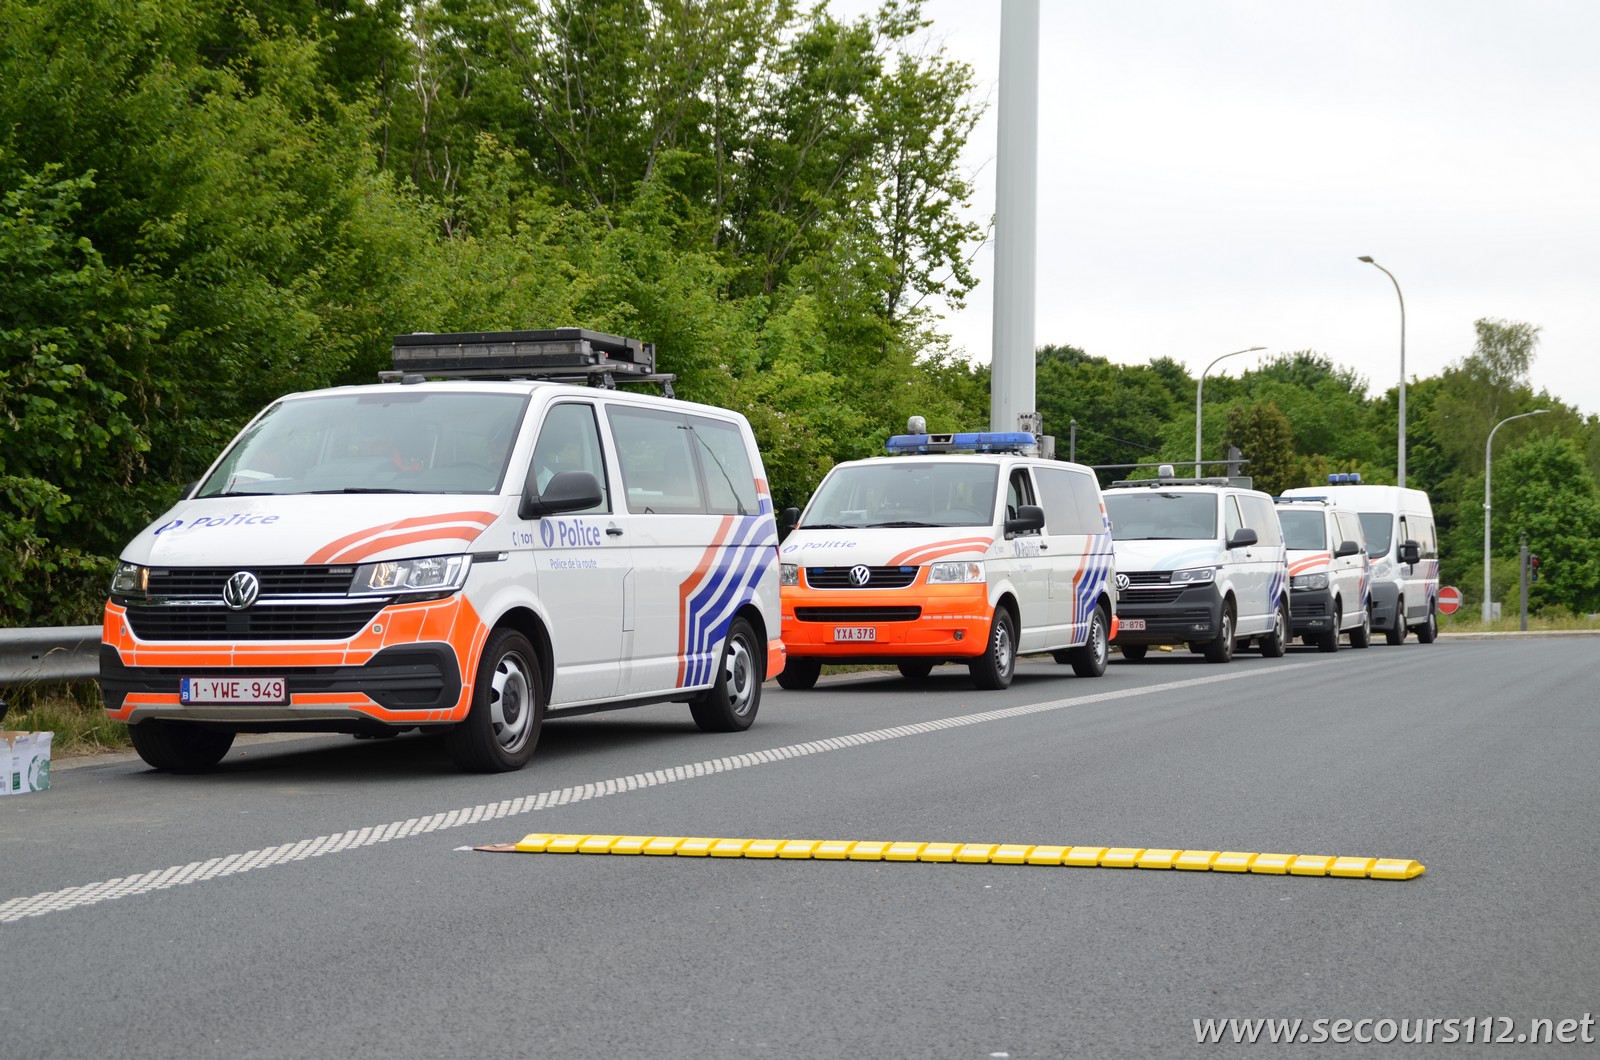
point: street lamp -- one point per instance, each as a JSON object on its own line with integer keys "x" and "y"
{"x": 1486, "y": 446}
{"x": 1197, "y": 386}
{"x": 1386, "y": 272}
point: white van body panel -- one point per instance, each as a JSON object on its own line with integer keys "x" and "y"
{"x": 1403, "y": 596}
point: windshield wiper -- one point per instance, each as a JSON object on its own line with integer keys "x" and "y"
{"x": 365, "y": 489}
{"x": 241, "y": 493}
{"x": 907, "y": 522}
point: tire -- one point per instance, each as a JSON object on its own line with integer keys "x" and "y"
{"x": 1090, "y": 660}
{"x": 916, "y": 672}
{"x": 1361, "y": 636}
{"x": 1220, "y": 650}
{"x": 798, "y": 675}
{"x": 1329, "y": 642}
{"x": 1397, "y": 633}
{"x": 993, "y": 669}
{"x": 1428, "y": 632}
{"x": 1134, "y": 652}
{"x": 502, "y": 728}
{"x": 179, "y": 746}
{"x": 730, "y": 704}
{"x": 1275, "y": 643}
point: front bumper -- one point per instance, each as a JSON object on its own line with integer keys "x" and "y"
{"x": 917, "y": 622}
{"x": 1181, "y": 616}
{"x": 1310, "y": 611}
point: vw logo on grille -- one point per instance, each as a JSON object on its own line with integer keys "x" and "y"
{"x": 241, "y": 590}
{"x": 860, "y": 575}
{"x": 1122, "y": 582}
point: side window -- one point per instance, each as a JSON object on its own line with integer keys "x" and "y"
{"x": 730, "y": 482}
{"x": 654, "y": 450}
{"x": 1350, "y": 529}
{"x": 1071, "y": 502}
{"x": 1260, "y": 516}
{"x": 1230, "y": 513}
{"x": 569, "y": 440}
{"x": 1019, "y": 491}
{"x": 1429, "y": 540}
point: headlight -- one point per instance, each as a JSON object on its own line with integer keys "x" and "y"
{"x": 1309, "y": 581}
{"x": 952, "y": 573}
{"x": 130, "y": 580}
{"x": 1194, "y": 576}
{"x": 437, "y": 575}
{"x": 1382, "y": 569}
{"x": 789, "y": 574}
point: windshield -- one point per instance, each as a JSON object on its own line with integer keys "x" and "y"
{"x": 401, "y": 442}
{"x": 1152, "y": 516}
{"x": 1304, "y": 530}
{"x": 1379, "y": 527}
{"x": 905, "y": 493}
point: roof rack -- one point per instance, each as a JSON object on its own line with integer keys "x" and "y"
{"x": 594, "y": 357}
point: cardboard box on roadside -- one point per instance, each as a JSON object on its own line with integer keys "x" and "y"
{"x": 24, "y": 762}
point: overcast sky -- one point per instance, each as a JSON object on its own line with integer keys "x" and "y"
{"x": 1209, "y": 171}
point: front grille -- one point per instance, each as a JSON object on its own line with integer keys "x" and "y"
{"x": 207, "y": 582}
{"x": 1149, "y": 577}
{"x": 1153, "y": 596}
{"x": 1305, "y": 607}
{"x": 261, "y": 622}
{"x": 880, "y": 578}
{"x": 857, "y": 615}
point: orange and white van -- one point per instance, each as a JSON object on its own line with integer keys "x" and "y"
{"x": 1329, "y": 588}
{"x": 469, "y": 555}
{"x": 968, "y": 548}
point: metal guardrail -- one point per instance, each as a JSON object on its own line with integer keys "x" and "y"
{"x": 49, "y": 653}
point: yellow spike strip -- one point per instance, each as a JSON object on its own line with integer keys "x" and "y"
{"x": 974, "y": 854}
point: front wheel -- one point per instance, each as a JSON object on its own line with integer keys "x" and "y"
{"x": 1276, "y": 642}
{"x": 179, "y": 746}
{"x": 1329, "y": 641}
{"x": 502, "y": 727}
{"x": 1221, "y": 649}
{"x": 1361, "y": 636}
{"x": 916, "y": 672}
{"x": 1428, "y": 632}
{"x": 1090, "y": 660}
{"x": 730, "y": 704}
{"x": 993, "y": 669}
{"x": 798, "y": 675}
{"x": 1396, "y": 634}
{"x": 1134, "y": 652}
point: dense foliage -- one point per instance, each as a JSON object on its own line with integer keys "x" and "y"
{"x": 205, "y": 204}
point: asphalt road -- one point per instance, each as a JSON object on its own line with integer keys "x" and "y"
{"x": 318, "y": 897}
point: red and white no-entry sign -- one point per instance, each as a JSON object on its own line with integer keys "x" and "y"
{"x": 1449, "y": 600}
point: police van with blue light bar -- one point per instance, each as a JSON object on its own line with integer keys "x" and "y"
{"x": 1329, "y": 591}
{"x": 469, "y": 547}
{"x": 970, "y": 548}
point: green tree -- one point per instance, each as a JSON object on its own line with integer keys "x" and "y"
{"x": 1264, "y": 437}
{"x": 1544, "y": 489}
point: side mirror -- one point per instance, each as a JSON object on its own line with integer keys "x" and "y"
{"x": 1410, "y": 553}
{"x": 788, "y": 519}
{"x": 567, "y": 491}
{"x": 1243, "y": 538}
{"x": 1349, "y": 548}
{"x": 1029, "y": 517}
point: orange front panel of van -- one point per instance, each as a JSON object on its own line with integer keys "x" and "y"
{"x": 946, "y": 611}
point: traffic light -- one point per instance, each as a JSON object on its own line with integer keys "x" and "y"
{"x": 1533, "y": 566}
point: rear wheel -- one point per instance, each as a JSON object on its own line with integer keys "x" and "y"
{"x": 1134, "y": 652}
{"x": 916, "y": 671}
{"x": 993, "y": 669}
{"x": 1428, "y": 632}
{"x": 1221, "y": 649}
{"x": 1276, "y": 642}
{"x": 798, "y": 675}
{"x": 1361, "y": 636}
{"x": 730, "y": 704}
{"x": 502, "y": 728}
{"x": 1396, "y": 634}
{"x": 1330, "y": 641}
{"x": 1090, "y": 660}
{"x": 179, "y": 746}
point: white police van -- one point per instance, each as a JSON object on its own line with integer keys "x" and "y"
{"x": 1328, "y": 572}
{"x": 955, "y": 547}
{"x": 1199, "y": 562}
{"x": 467, "y": 555}
{"x": 1402, "y": 543}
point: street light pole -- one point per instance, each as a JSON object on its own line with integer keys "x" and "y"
{"x": 1402, "y": 458}
{"x": 1199, "y": 383}
{"x": 1486, "y": 477}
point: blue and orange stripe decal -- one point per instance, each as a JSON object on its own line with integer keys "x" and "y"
{"x": 743, "y": 551}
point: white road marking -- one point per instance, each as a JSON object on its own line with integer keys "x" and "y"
{"x": 233, "y": 864}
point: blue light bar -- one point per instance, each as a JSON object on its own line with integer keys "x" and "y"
{"x": 970, "y": 442}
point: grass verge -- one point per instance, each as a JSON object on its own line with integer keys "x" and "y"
{"x": 73, "y": 712}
